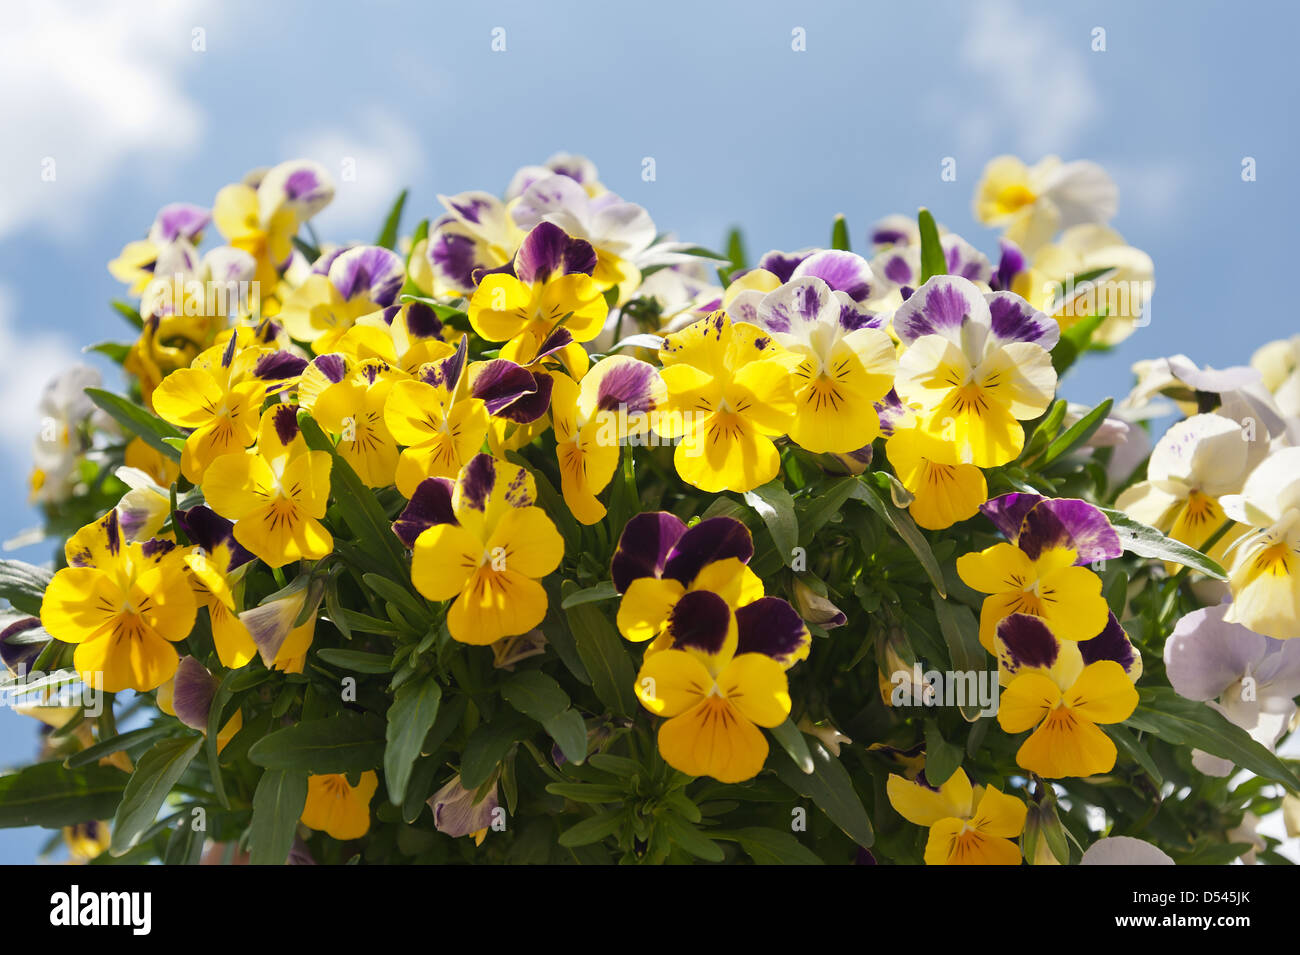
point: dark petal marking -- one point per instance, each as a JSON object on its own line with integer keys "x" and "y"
{"x": 285, "y": 419}
{"x": 156, "y": 548}
{"x": 700, "y": 620}
{"x": 644, "y": 547}
{"x": 1111, "y": 644}
{"x": 209, "y": 530}
{"x": 1028, "y": 641}
{"x": 548, "y": 251}
{"x": 279, "y": 365}
{"x": 422, "y": 321}
{"x": 781, "y": 264}
{"x": 333, "y": 367}
{"x": 1015, "y": 320}
{"x": 1011, "y": 265}
{"x": 714, "y": 539}
{"x": 455, "y": 256}
{"x": 770, "y": 626}
{"x": 429, "y": 505}
{"x": 477, "y": 480}
{"x": 531, "y": 405}
{"x": 500, "y": 383}
{"x": 626, "y": 386}
{"x": 1068, "y": 522}
{"x": 19, "y": 657}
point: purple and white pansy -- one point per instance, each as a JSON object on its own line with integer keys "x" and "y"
{"x": 368, "y": 272}
{"x": 1251, "y": 679}
{"x": 976, "y": 322}
{"x": 476, "y": 235}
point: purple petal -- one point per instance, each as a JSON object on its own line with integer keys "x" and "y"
{"x": 277, "y": 366}
{"x": 781, "y": 264}
{"x": 456, "y": 814}
{"x": 700, "y": 620}
{"x": 429, "y": 505}
{"x": 1068, "y": 522}
{"x": 192, "y": 693}
{"x": 962, "y": 258}
{"x": 446, "y": 373}
{"x": 500, "y": 383}
{"x": 1205, "y": 655}
{"x": 644, "y": 546}
{"x": 842, "y": 271}
{"x": 477, "y": 480}
{"x": 332, "y": 366}
{"x": 531, "y": 405}
{"x": 797, "y": 306}
{"x": 1008, "y": 512}
{"x": 19, "y": 657}
{"x": 209, "y": 530}
{"x": 625, "y": 384}
{"x": 179, "y": 220}
{"x": 422, "y": 321}
{"x": 371, "y": 272}
{"x": 549, "y": 251}
{"x": 716, "y": 538}
{"x": 1111, "y": 644}
{"x": 771, "y": 626}
{"x": 1011, "y": 265}
{"x": 939, "y": 307}
{"x": 1012, "y": 319}
{"x": 454, "y": 257}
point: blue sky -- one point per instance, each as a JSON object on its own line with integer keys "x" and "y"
{"x": 743, "y": 130}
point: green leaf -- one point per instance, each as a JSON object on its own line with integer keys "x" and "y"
{"x": 598, "y": 827}
{"x": 137, "y": 420}
{"x": 830, "y": 787}
{"x": 357, "y": 661}
{"x": 791, "y": 739}
{"x": 942, "y": 758}
{"x": 603, "y": 654}
{"x": 604, "y": 590}
{"x": 690, "y": 839}
{"x": 771, "y": 846}
{"x": 906, "y": 528}
{"x": 155, "y": 774}
{"x": 47, "y": 794}
{"x": 277, "y": 804}
{"x": 23, "y": 585}
{"x": 1074, "y": 342}
{"x": 535, "y": 694}
{"x": 1129, "y": 744}
{"x": 115, "y": 744}
{"x": 1165, "y": 714}
{"x": 1079, "y": 432}
{"x": 933, "y": 261}
{"x": 736, "y": 251}
{"x": 569, "y": 731}
{"x": 402, "y": 596}
{"x": 960, "y": 632}
{"x": 488, "y": 745}
{"x": 840, "y": 233}
{"x": 185, "y": 844}
{"x": 822, "y": 506}
{"x": 772, "y": 502}
{"x": 1146, "y": 541}
{"x": 130, "y": 313}
{"x": 415, "y": 707}
{"x": 388, "y": 235}
{"x": 115, "y": 352}
{"x": 344, "y": 743}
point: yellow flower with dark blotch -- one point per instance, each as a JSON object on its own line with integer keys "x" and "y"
{"x": 439, "y": 423}
{"x": 969, "y": 825}
{"x": 405, "y": 337}
{"x": 482, "y": 544}
{"x": 548, "y": 285}
{"x": 730, "y": 393}
{"x": 944, "y": 490}
{"x": 336, "y": 807}
{"x": 220, "y": 397}
{"x": 1055, "y": 691}
{"x": 591, "y": 420}
{"x": 342, "y": 288}
{"x": 1042, "y": 571}
{"x": 123, "y": 604}
{"x": 275, "y": 494}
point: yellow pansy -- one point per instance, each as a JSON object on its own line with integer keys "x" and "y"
{"x": 336, "y": 807}
{"x": 969, "y": 825}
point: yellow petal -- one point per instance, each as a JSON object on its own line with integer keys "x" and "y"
{"x": 1103, "y": 693}
{"x": 644, "y": 610}
{"x": 671, "y": 682}
{"x": 443, "y": 559}
{"x": 756, "y": 686}
{"x": 712, "y": 739}
{"x": 1028, "y": 699}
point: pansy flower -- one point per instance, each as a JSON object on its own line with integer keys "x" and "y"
{"x": 346, "y": 397}
{"x": 337, "y": 808}
{"x": 719, "y": 683}
{"x": 969, "y": 825}
{"x": 176, "y": 223}
{"x": 123, "y": 603}
{"x": 1249, "y": 678}
{"x": 476, "y": 235}
{"x": 1033, "y": 203}
{"x": 547, "y": 286}
{"x": 188, "y": 697}
{"x": 1041, "y": 571}
{"x": 664, "y": 569}
{"x": 1278, "y": 364}
{"x": 282, "y": 641}
{"x": 847, "y": 362}
{"x": 357, "y": 282}
{"x": 441, "y": 426}
{"x": 1195, "y": 463}
{"x": 944, "y": 490}
{"x": 457, "y": 812}
{"x": 405, "y": 336}
{"x": 276, "y": 494}
{"x": 220, "y": 398}
{"x": 517, "y": 399}
{"x": 729, "y": 394}
{"x": 483, "y": 544}
{"x": 262, "y": 214}
{"x": 215, "y": 563}
{"x": 975, "y": 366}
{"x": 1062, "y": 697}
{"x": 591, "y": 419}
{"x": 1265, "y": 573}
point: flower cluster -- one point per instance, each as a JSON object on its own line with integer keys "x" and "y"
{"x": 594, "y": 517}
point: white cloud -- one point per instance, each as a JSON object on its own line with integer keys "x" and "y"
{"x": 1036, "y": 95}
{"x": 28, "y": 361}
{"x": 89, "y": 86}
{"x": 370, "y": 166}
